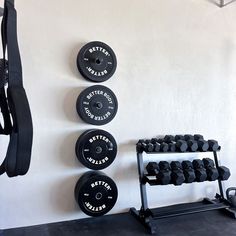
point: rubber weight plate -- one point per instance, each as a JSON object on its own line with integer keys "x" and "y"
{"x": 96, "y": 193}
{"x": 96, "y": 149}
{"x": 96, "y": 61}
{"x": 97, "y": 105}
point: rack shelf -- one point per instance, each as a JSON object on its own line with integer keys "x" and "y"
{"x": 147, "y": 216}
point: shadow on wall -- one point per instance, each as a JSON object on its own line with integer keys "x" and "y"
{"x": 67, "y": 151}
{"x": 69, "y": 105}
{"x": 73, "y": 60}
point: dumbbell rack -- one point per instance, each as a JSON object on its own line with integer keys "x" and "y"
{"x": 147, "y": 216}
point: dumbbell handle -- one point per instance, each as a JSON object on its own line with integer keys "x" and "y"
{"x": 230, "y": 190}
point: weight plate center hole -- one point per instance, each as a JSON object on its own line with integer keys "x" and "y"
{"x": 98, "y": 61}
{"x": 99, "y": 105}
{"x": 98, "y": 196}
{"x": 98, "y": 150}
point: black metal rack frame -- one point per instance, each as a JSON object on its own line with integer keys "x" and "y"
{"x": 146, "y": 216}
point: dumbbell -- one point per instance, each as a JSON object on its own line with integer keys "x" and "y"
{"x": 198, "y": 137}
{"x": 177, "y": 175}
{"x": 180, "y": 145}
{"x": 164, "y": 147}
{"x": 224, "y": 173}
{"x": 164, "y": 175}
{"x": 203, "y": 145}
{"x": 200, "y": 171}
{"x": 188, "y": 170}
{"x": 169, "y": 139}
{"x": 212, "y": 172}
{"x": 179, "y": 137}
{"x": 213, "y": 145}
{"x": 146, "y": 145}
{"x": 192, "y": 144}
{"x": 157, "y": 146}
{"x": 152, "y": 168}
{"x": 139, "y": 147}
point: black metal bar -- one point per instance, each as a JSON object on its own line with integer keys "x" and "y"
{"x": 189, "y": 210}
{"x": 219, "y": 180}
{"x": 143, "y": 191}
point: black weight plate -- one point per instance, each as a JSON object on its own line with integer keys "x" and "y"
{"x": 96, "y": 193}
{"x": 96, "y": 61}
{"x": 96, "y": 149}
{"x": 97, "y": 105}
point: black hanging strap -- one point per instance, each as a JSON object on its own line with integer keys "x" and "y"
{"x": 14, "y": 107}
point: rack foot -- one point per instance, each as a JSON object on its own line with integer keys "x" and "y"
{"x": 147, "y": 222}
{"x": 231, "y": 212}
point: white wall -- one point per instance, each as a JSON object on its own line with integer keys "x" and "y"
{"x": 176, "y": 74}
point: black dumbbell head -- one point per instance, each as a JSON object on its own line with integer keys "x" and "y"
{"x": 172, "y": 147}
{"x": 208, "y": 163}
{"x": 213, "y": 145}
{"x": 169, "y": 138}
{"x": 179, "y": 137}
{"x": 154, "y": 140}
{"x": 141, "y": 141}
{"x": 164, "y": 165}
{"x": 177, "y": 177}
{"x": 149, "y": 147}
{"x": 192, "y": 145}
{"x": 198, "y": 164}
{"x": 187, "y": 165}
{"x": 212, "y": 174}
{"x": 164, "y": 177}
{"x": 164, "y": 147}
{"x": 160, "y": 140}
{"x": 189, "y": 175}
{"x": 224, "y": 173}
{"x": 203, "y": 145}
{"x": 152, "y": 168}
{"x": 198, "y": 137}
{"x": 175, "y": 165}
{"x": 157, "y": 147}
{"x": 188, "y": 137}
{"x": 201, "y": 175}
{"x": 181, "y": 146}
{"x": 139, "y": 147}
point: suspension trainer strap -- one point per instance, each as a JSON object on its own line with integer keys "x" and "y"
{"x": 14, "y": 107}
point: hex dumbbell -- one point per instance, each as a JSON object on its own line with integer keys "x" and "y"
{"x": 212, "y": 172}
{"x": 157, "y": 146}
{"x": 224, "y": 173}
{"x": 200, "y": 170}
{"x": 177, "y": 175}
{"x": 198, "y": 137}
{"x": 152, "y": 168}
{"x": 179, "y": 137}
{"x": 180, "y": 145}
{"x": 213, "y": 145}
{"x": 146, "y": 145}
{"x": 192, "y": 144}
{"x": 164, "y": 175}
{"x": 164, "y": 146}
{"x": 188, "y": 171}
{"x": 203, "y": 145}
